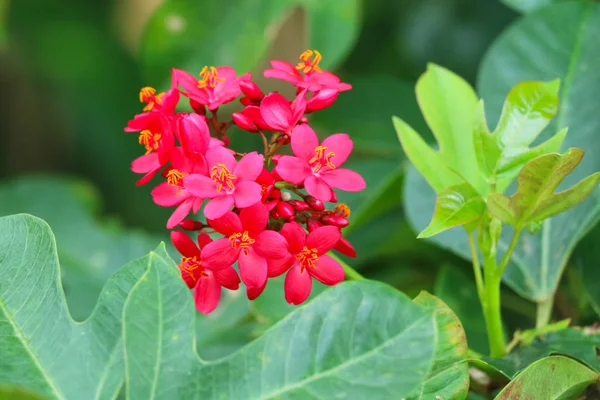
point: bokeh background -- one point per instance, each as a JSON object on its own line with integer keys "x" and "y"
{"x": 70, "y": 75}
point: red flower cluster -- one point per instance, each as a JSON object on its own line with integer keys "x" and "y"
{"x": 272, "y": 220}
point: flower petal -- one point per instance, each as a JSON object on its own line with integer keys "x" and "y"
{"x": 345, "y": 247}
{"x": 323, "y": 239}
{"x": 203, "y": 240}
{"x": 252, "y": 292}
{"x": 166, "y": 195}
{"x": 180, "y": 213}
{"x": 228, "y": 277}
{"x": 276, "y": 111}
{"x": 295, "y": 235}
{"x": 271, "y": 244}
{"x": 200, "y": 186}
{"x": 184, "y": 244}
{"x": 298, "y": 107}
{"x": 249, "y": 167}
{"x": 327, "y": 271}
{"x": 318, "y": 188}
{"x": 341, "y": 145}
{"x": 293, "y": 169}
{"x": 218, "y": 206}
{"x": 304, "y": 142}
{"x": 298, "y": 285}
{"x": 278, "y": 267}
{"x": 207, "y": 294}
{"x": 254, "y": 219}
{"x": 226, "y": 225}
{"x": 194, "y": 135}
{"x": 247, "y": 194}
{"x": 220, "y": 155}
{"x": 219, "y": 254}
{"x": 145, "y": 163}
{"x": 344, "y": 179}
{"x": 253, "y": 268}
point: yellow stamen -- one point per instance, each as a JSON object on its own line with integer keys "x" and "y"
{"x": 210, "y": 78}
{"x": 307, "y": 257}
{"x": 241, "y": 239}
{"x": 307, "y": 65}
{"x": 150, "y": 141}
{"x": 148, "y": 95}
{"x": 322, "y": 158}
{"x": 222, "y": 177}
{"x": 174, "y": 177}
{"x": 343, "y": 210}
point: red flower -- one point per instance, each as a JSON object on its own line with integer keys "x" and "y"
{"x": 205, "y": 282}
{"x": 164, "y": 102}
{"x": 317, "y": 165}
{"x": 279, "y": 115}
{"x": 307, "y": 259}
{"x": 230, "y": 182}
{"x": 158, "y": 139}
{"x": 250, "y": 119}
{"x": 314, "y": 78}
{"x": 216, "y": 86}
{"x": 343, "y": 246}
{"x": 247, "y": 242}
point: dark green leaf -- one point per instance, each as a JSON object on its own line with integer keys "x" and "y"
{"x": 359, "y": 339}
{"x": 527, "y": 6}
{"x": 454, "y": 206}
{"x": 43, "y": 349}
{"x": 554, "y": 377}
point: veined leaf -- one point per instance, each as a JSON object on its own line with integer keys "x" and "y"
{"x": 535, "y": 199}
{"x": 43, "y": 349}
{"x": 456, "y": 205}
{"x": 358, "y": 339}
{"x": 554, "y": 377}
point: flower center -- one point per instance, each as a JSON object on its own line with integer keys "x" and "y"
{"x": 193, "y": 267}
{"x": 174, "y": 177}
{"x": 307, "y": 65}
{"x": 222, "y": 177}
{"x": 150, "y": 140}
{"x": 322, "y": 158}
{"x": 343, "y": 210}
{"x": 243, "y": 240}
{"x": 148, "y": 95}
{"x": 307, "y": 258}
{"x": 210, "y": 78}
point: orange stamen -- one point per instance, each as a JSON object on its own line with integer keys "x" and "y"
{"x": 307, "y": 65}
{"x": 210, "y": 78}
{"x": 148, "y": 95}
{"x": 343, "y": 210}
{"x": 307, "y": 258}
{"x": 222, "y": 176}
{"x": 241, "y": 239}
{"x": 322, "y": 158}
{"x": 174, "y": 177}
{"x": 150, "y": 141}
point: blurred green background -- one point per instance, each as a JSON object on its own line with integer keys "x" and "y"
{"x": 71, "y": 72}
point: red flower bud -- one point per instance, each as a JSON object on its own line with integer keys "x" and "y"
{"x": 313, "y": 224}
{"x": 314, "y": 203}
{"x": 303, "y": 120}
{"x": 251, "y": 90}
{"x": 244, "y": 122}
{"x": 225, "y": 140}
{"x": 191, "y": 225}
{"x": 276, "y": 194}
{"x": 334, "y": 198}
{"x": 299, "y": 205}
{"x": 322, "y": 99}
{"x": 285, "y": 210}
{"x": 197, "y": 107}
{"x": 335, "y": 220}
{"x": 274, "y": 213}
{"x": 247, "y": 101}
{"x": 344, "y": 247}
{"x": 275, "y": 160}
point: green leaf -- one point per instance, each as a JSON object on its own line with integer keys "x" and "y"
{"x": 535, "y": 200}
{"x": 90, "y": 250}
{"x": 447, "y": 102}
{"x": 454, "y": 206}
{"x": 189, "y": 35}
{"x": 554, "y": 377}
{"x": 357, "y": 339}
{"x": 43, "y": 349}
{"x": 449, "y": 376}
{"x": 571, "y": 54}
{"x": 457, "y": 290}
{"x": 527, "y": 6}
{"x": 527, "y": 110}
{"x": 586, "y": 258}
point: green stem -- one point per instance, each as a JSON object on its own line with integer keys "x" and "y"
{"x": 476, "y": 267}
{"x": 544, "y": 312}
{"x": 509, "y": 251}
{"x": 491, "y": 308}
{"x": 350, "y": 272}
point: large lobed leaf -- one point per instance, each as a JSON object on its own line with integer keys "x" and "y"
{"x": 42, "y": 348}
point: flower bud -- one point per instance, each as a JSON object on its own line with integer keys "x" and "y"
{"x": 335, "y": 220}
{"x": 191, "y": 225}
{"x": 247, "y": 101}
{"x": 244, "y": 122}
{"x": 251, "y": 90}
{"x": 285, "y": 210}
{"x": 276, "y": 194}
{"x": 197, "y": 107}
{"x": 314, "y": 203}
{"x": 303, "y": 120}
{"x": 299, "y": 205}
{"x": 322, "y": 99}
{"x": 274, "y": 213}
{"x": 286, "y": 196}
{"x": 344, "y": 247}
{"x": 313, "y": 224}
{"x": 334, "y": 198}
{"x": 276, "y": 158}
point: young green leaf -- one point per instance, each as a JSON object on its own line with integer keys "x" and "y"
{"x": 358, "y": 339}
{"x": 535, "y": 199}
{"x": 456, "y": 205}
{"x": 555, "y": 377}
{"x": 43, "y": 349}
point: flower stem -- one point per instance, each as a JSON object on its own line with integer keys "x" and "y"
{"x": 491, "y": 308}
{"x": 544, "y": 312}
{"x": 476, "y": 267}
{"x": 350, "y": 272}
{"x": 265, "y": 144}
